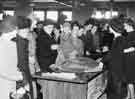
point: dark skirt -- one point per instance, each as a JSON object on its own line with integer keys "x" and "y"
{"x": 130, "y": 67}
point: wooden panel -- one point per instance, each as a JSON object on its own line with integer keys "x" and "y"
{"x": 96, "y": 86}
{"x": 63, "y": 90}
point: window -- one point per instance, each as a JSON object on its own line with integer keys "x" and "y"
{"x": 1, "y": 16}
{"x": 9, "y": 12}
{"x": 108, "y": 14}
{"x": 104, "y": 14}
{"x": 53, "y": 15}
{"x": 98, "y": 15}
{"x": 40, "y": 15}
{"x": 68, "y": 15}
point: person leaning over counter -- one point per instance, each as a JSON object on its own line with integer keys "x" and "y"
{"x": 46, "y": 50}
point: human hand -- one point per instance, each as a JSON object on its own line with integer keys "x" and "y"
{"x": 105, "y": 49}
{"x": 54, "y": 47}
{"x": 128, "y": 50}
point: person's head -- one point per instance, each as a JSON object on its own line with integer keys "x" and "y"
{"x": 89, "y": 24}
{"x": 129, "y": 25}
{"x": 23, "y": 22}
{"x": 81, "y": 31}
{"x": 116, "y": 27}
{"x": 67, "y": 27}
{"x": 94, "y": 28}
{"x": 39, "y": 25}
{"x": 24, "y": 25}
{"x": 48, "y": 26}
{"x": 56, "y": 29}
{"x": 75, "y": 28}
{"x": 105, "y": 27}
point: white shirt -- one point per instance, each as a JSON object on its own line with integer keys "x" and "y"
{"x": 8, "y": 57}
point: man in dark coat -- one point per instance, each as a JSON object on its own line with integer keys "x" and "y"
{"x": 46, "y": 47}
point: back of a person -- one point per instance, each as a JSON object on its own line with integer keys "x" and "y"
{"x": 8, "y": 67}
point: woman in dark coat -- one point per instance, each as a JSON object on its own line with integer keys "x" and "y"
{"x": 46, "y": 52}
{"x": 129, "y": 53}
{"x": 114, "y": 60}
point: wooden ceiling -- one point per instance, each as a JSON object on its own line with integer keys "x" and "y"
{"x": 48, "y": 4}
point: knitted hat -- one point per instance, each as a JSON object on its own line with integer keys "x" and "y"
{"x": 117, "y": 25}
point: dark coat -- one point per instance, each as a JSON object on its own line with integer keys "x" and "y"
{"x": 23, "y": 61}
{"x": 91, "y": 43}
{"x": 116, "y": 75}
{"x": 130, "y": 58}
{"x": 45, "y": 55}
{"x": 115, "y": 58}
{"x": 107, "y": 39}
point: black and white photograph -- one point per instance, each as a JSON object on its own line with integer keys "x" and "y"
{"x": 67, "y": 49}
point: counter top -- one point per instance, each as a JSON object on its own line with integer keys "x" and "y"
{"x": 80, "y": 78}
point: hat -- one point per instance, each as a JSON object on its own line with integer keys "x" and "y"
{"x": 117, "y": 25}
{"x": 48, "y": 22}
{"x": 23, "y": 22}
{"x": 130, "y": 22}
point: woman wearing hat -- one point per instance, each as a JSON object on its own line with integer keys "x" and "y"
{"x": 129, "y": 53}
{"x": 114, "y": 58}
{"x": 46, "y": 47}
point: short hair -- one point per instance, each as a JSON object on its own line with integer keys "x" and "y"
{"x": 23, "y": 22}
{"x": 40, "y": 22}
{"x": 57, "y": 26}
{"x": 75, "y": 23}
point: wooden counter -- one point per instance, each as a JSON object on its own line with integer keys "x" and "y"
{"x": 58, "y": 88}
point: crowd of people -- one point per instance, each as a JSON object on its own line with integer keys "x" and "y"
{"x": 112, "y": 43}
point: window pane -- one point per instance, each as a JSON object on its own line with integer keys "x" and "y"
{"x": 40, "y": 15}
{"x": 9, "y": 12}
{"x": 1, "y": 16}
{"x": 107, "y": 15}
{"x": 68, "y": 14}
{"x": 53, "y": 15}
{"x": 115, "y": 13}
